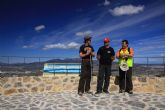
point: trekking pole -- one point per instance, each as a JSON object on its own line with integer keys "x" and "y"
{"x": 124, "y": 67}
{"x": 125, "y": 82}
{"x": 91, "y": 65}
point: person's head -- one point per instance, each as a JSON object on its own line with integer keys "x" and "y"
{"x": 124, "y": 43}
{"x": 87, "y": 39}
{"x": 106, "y": 41}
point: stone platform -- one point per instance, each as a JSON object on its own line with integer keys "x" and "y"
{"x": 69, "y": 100}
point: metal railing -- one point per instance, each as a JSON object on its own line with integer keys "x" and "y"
{"x": 23, "y": 66}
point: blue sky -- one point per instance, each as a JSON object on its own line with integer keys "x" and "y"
{"x": 55, "y": 28}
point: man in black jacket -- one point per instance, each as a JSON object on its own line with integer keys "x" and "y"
{"x": 105, "y": 55}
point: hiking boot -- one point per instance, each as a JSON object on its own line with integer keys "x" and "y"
{"x": 97, "y": 93}
{"x": 121, "y": 91}
{"x": 107, "y": 92}
{"x": 89, "y": 92}
{"x": 80, "y": 93}
{"x": 130, "y": 92}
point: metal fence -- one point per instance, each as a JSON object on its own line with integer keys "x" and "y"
{"x": 29, "y": 66}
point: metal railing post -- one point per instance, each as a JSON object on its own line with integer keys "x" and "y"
{"x": 24, "y": 64}
{"x": 133, "y": 66}
{"x": 8, "y": 60}
{"x": 67, "y": 69}
{"x": 39, "y": 65}
{"x": 164, "y": 64}
{"x": 147, "y": 66}
{"x": 54, "y": 70}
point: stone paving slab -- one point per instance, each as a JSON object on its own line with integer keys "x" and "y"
{"x": 72, "y": 101}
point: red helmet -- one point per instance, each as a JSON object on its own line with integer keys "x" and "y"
{"x": 106, "y": 40}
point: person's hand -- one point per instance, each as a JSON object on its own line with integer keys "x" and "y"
{"x": 89, "y": 51}
{"x": 124, "y": 56}
{"x": 98, "y": 57}
{"x": 112, "y": 58}
{"x": 127, "y": 55}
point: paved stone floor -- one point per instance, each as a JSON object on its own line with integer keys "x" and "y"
{"x": 72, "y": 101}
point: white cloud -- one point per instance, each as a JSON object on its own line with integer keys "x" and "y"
{"x": 72, "y": 45}
{"x": 84, "y": 33}
{"x": 126, "y": 10}
{"x": 27, "y": 46}
{"x": 39, "y": 28}
{"x": 106, "y": 3}
{"x": 79, "y": 34}
{"x": 162, "y": 54}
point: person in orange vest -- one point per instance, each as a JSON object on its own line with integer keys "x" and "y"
{"x": 105, "y": 56}
{"x": 86, "y": 53}
{"x": 125, "y": 54}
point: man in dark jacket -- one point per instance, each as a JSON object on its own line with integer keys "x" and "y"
{"x": 105, "y": 55}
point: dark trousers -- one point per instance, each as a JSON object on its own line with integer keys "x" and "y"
{"x": 129, "y": 85}
{"x": 85, "y": 77}
{"x": 103, "y": 77}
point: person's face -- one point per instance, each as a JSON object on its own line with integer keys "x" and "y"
{"x": 124, "y": 45}
{"x": 106, "y": 43}
{"x": 89, "y": 41}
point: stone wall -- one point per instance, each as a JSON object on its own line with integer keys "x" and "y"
{"x": 14, "y": 85}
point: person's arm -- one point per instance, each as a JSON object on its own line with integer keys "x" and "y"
{"x": 81, "y": 52}
{"x": 117, "y": 54}
{"x": 92, "y": 53}
{"x": 113, "y": 55}
{"x": 98, "y": 54}
{"x": 83, "y": 55}
{"x": 131, "y": 52}
{"x": 98, "y": 57}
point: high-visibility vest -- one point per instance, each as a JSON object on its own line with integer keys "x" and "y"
{"x": 129, "y": 61}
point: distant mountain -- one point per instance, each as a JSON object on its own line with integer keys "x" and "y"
{"x": 66, "y": 60}
{"x": 1, "y": 63}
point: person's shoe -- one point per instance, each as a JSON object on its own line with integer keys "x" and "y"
{"x": 89, "y": 92}
{"x": 130, "y": 92}
{"x": 121, "y": 91}
{"x": 80, "y": 93}
{"x": 107, "y": 92}
{"x": 98, "y": 93}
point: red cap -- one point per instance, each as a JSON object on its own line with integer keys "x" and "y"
{"x": 106, "y": 40}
